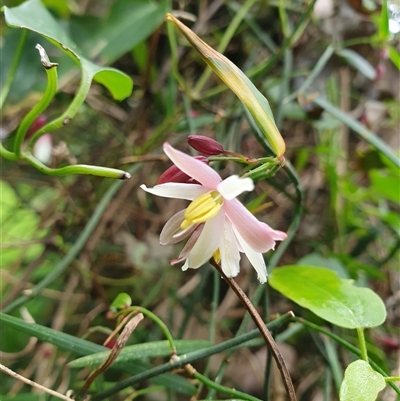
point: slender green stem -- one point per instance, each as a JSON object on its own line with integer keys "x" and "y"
{"x": 6, "y": 153}
{"x": 76, "y": 248}
{"x": 214, "y": 306}
{"x": 262, "y": 68}
{"x": 326, "y": 55}
{"x": 392, "y": 379}
{"x": 285, "y": 25}
{"x": 363, "y": 344}
{"x": 212, "y": 325}
{"x": 187, "y": 106}
{"x": 76, "y": 169}
{"x": 327, "y": 384}
{"x": 188, "y": 358}
{"x": 174, "y": 56}
{"x": 51, "y": 88}
{"x": 156, "y": 320}
{"x": 222, "y": 389}
{"x": 233, "y": 26}
{"x": 71, "y": 111}
{"x": 144, "y": 391}
{"x": 13, "y": 68}
{"x": 284, "y": 87}
{"x": 267, "y": 377}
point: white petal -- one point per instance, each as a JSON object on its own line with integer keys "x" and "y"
{"x": 229, "y": 251}
{"x": 256, "y": 259}
{"x": 176, "y": 190}
{"x": 207, "y": 243}
{"x": 42, "y": 149}
{"x": 233, "y": 186}
{"x": 194, "y": 168}
{"x": 185, "y": 266}
{"x": 172, "y": 232}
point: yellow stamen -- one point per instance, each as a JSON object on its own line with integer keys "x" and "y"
{"x": 202, "y": 209}
{"x": 217, "y": 256}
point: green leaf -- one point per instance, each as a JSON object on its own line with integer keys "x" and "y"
{"x": 20, "y": 233}
{"x": 32, "y": 15}
{"x": 140, "y": 351}
{"x": 109, "y": 37}
{"x": 394, "y": 55}
{"x": 384, "y": 32}
{"x": 121, "y": 301}
{"x": 358, "y": 62}
{"x": 23, "y": 397}
{"x": 81, "y": 347}
{"x": 333, "y": 299}
{"x": 385, "y": 184}
{"x": 317, "y": 260}
{"x": 361, "y": 383}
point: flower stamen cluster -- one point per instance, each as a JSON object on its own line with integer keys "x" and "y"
{"x": 203, "y": 208}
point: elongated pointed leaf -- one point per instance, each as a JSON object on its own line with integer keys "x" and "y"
{"x": 141, "y": 351}
{"x": 32, "y": 15}
{"x": 384, "y": 32}
{"x": 109, "y": 37}
{"x": 237, "y": 81}
{"x": 361, "y": 383}
{"x": 336, "y": 300}
{"x": 358, "y": 62}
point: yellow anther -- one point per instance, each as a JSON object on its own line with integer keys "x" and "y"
{"x": 202, "y": 209}
{"x": 217, "y": 256}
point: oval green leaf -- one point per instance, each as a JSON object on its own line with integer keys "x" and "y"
{"x": 32, "y": 15}
{"x": 361, "y": 383}
{"x": 336, "y": 300}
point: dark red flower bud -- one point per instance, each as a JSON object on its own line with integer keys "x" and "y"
{"x": 36, "y": 125}
{"x": 173, "y": 174}
{"x": 111, "y": 343}
{"x": 205, "y": 145}
{"x": 390, "y": 343}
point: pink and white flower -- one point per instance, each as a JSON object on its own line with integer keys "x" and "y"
{"x": 218, "y": 224}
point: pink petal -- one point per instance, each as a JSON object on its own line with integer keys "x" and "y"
{"x": 201, "y": 172}
{"x": 259, "y": 236}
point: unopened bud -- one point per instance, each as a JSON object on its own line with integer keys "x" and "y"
{"x": 173, "y": 174}
{"x": 205, "y": 145}
{"x": 36, "y": 125}
{"x": 43, "y": 148}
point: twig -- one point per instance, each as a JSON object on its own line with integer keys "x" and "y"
{"x": 263, "y": 329}
{"x": 33, "y": 384}
{"x": 123, "y": 338}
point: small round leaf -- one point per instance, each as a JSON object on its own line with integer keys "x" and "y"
{"x": 361, "y": 383}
